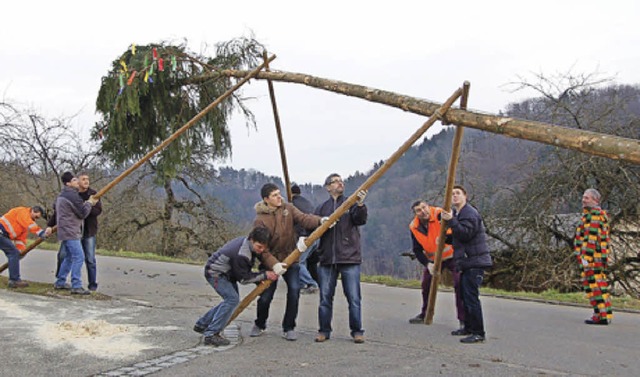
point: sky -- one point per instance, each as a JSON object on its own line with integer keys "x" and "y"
{"x": 54, "y": 54}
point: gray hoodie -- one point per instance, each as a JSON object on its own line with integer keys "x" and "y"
{"x": 70, "y": 212}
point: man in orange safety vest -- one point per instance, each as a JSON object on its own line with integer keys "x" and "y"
{"x": 425, "y": 229}
{"x": 14, "y": 226}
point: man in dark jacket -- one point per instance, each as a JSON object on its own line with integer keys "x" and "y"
{"x": 70, "y": 212}
{"x": 472, "y": 257}
{"x": 340, "y": 254}
{"x": 232, "y": 263}
{"x": 309, "y": 260}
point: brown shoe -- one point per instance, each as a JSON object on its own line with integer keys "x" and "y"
{"x": 358, "y": 338}
{"x": 321, "y": 338}
{"x": 18, "y": 284}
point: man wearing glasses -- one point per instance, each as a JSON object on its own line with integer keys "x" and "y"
{"x": 340, "y": 254}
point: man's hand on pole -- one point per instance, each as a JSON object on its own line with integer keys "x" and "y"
{"x": 280, "y": 268}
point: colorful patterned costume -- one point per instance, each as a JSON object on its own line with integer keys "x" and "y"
{"x": 591, "y": 246}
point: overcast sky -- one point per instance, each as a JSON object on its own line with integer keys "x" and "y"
{"x": 53, "y": 55}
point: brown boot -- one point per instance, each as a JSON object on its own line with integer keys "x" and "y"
{"x": 18, "y": 284}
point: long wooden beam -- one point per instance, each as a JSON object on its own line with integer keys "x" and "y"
{"x": 594, "y": 143}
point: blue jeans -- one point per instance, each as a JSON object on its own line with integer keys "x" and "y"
{"x": 216, "y": 319}
{"x": 328, "y": 276}
{"x": 89, "y": 248}
{"x": 305, "y": 276}
{"x": 470, "y": 282}
{"x": 292, "y": 278}
{"x": 73, "y": 259}
{"x": 13, "y": 257}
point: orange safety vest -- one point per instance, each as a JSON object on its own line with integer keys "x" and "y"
{"x": 18, "y": 222}
{"x": 429, "y": 241}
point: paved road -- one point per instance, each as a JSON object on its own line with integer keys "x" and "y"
{"x": 146, "y": 329}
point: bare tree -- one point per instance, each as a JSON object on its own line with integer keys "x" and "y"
{"x": 533, "y": 238}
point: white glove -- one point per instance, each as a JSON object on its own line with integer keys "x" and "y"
{"x": 430, "y": 267}
{"x": 280, "y": 268}
{"x": 361, "y": 195}
{"x": 92, "y": 200}
{"x": 325, "y": 219}
{"x": 302, "y": 246}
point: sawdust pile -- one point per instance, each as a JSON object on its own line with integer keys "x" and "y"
{"x": 90, "y": 329}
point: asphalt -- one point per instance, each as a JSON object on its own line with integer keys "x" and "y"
{"x": 146, "y": 329}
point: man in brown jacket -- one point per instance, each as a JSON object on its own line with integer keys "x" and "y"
{"x": 279, "y": 217}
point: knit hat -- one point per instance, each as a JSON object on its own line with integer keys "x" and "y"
{"x": 295, "y": 189}
{"x": 67, "y": 177}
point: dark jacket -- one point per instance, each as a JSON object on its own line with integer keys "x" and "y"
{"x": 280, "y": 223}
{"x": 235, "y": 260}
{"x": 470, "y": 248}
{"x": 341, "y": 244}
{"x": 91, "y": 222}
{"x": 69, "y": 214}
{"x": 305, "y": 206}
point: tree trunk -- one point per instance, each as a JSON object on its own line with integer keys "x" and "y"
{"x": 614, "y": 147}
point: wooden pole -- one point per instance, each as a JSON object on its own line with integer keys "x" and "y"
{"x": 351, "y": 200}
{"x": 451, "y": 180}
{"x": 164, "y": 144}
{"x": 594, "y": 143}
{"x": 276, "y": 118}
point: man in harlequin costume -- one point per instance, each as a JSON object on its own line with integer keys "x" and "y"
{"x": 591, "y": 247}
{"x": 425, "y": 229}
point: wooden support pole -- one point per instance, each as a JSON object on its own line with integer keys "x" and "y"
{"x": 164, "y": 144}
{"x": 351, "y": 200}
{"x": 451, "y": 180}
{"x": 276, "y": 118}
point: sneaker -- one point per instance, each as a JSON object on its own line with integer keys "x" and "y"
{"x": 290, "y": 335}
{"x": 321, "y": 338}
{"x": 58, "y": 287}
{"x": 475, "y": 338}
{"x": 417, "y": 319}
{"x": 460, "y": 332}
{"x": 216, "y": 340}
{"x": 358, "y": 338}
{"x": 256, "y": 331}
{"x": 199, "y": 329}
{"x": 80, "y": 291}
{"x": 17, "y": 284}
{"x": 591, "y": 321}
{"x": 312, "y": 289}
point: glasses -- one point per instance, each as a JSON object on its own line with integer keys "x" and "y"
{"x": 336, "y": 181}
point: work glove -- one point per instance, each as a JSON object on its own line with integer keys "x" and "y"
{"x": 325, "y": 219}
{"x": 361, "y": 195}
{"x": 280, "y": 268}
{"x": 302, "y": 246}
{"x": 42, "y": 234}
{"x": 92, "y": 200}
{"x": 431, "y": 267}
